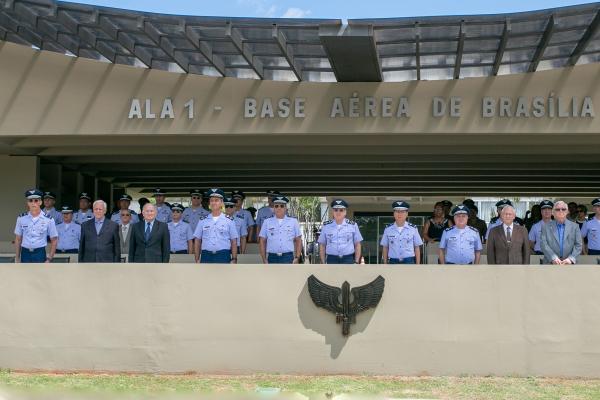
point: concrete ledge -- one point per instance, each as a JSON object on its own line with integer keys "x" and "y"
{"x": 452, "y": 320}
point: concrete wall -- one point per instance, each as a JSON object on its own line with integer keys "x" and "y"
{"x": 175, "y": 318}
{"x": 17, "y": 174}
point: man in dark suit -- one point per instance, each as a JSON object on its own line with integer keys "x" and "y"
{"x": 508, "y": 243}
{"x": 100, "y": 240}
{"x": 150, "y": 239}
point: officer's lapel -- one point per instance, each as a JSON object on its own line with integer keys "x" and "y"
{"x": 103, "y": 226}
{"x": 153, "y": 230}
{"x": 554, "y": 227}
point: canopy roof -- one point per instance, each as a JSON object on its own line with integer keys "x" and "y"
{"x": 320, "y": 50}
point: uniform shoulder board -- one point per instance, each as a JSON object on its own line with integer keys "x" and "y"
{"x": 413, "y": 225}
{"x": 227, "y": 216}
{"x": 473, "y": 228}
{"x": 132, "y": 212}
{"x": 327, "y": 222}
{"x": 388, "y": 225}
{"x": 23, "y": 214}
{"x": 494, "y": 220}
{"x": 202, "y": 217}
{"x": 350, "y": 222}
{"x": 240, "y": 216}
{"x": 448, "y": 229}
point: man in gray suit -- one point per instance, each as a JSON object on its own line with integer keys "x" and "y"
{"x": 125, "y": 228}
{"x": 561, "y": 239}
{"x": 150, "y": 241}
{"x": 99, "y": 237}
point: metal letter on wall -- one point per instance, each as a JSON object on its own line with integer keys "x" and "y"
{"x": 343, "y": 302}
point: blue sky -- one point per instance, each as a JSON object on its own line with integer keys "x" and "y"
{"x": 347, "y": 9}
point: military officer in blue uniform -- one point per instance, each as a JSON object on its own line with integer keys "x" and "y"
{"x": 69, "y": 233}
{"x": 163, "y": 211}
{"x": 496, "y": 221}
{"x": 49, "y": 200}
{"x": 85, "y": 212}
{"x": 340, "y": 239}
{"x": 460, "y": 244}
{"x": 401, "y": 240}
{"x": 180, "y": 232}
{"x": 193, "y": 213}
{"x": 280, "y": 237}
{"x": 266, "y": 211}
{"x": 32, "y": 231}
{"x": 124, "y": 202}
{"x": 591, "y": 230}
{"x": 216, "y": 234}
{"x": 239, "y": 198}
{"x": 240, "y": 223}
{"x": 535, "y": 234}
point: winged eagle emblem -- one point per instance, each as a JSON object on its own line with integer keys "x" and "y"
{"x": 344, "y": 302}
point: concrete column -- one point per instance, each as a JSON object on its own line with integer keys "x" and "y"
{"x": 17, "y": 174}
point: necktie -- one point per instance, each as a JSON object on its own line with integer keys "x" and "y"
{"x": 508, "y": 236}
{"x": 147, "y": 234}
{"x": 125, "y": 228}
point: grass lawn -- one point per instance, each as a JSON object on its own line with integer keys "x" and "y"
{"x": 480, "y": 388}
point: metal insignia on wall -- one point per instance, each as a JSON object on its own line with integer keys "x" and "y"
{"x": 344, "y": 302}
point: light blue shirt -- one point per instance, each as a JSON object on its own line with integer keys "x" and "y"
{"x": 116, "y": 217}
{"x": 561, "y": 238}
{"x": 280, "y": 234}
{"x": 80, "y": 216}
{"x": 461, "y": 244}
{"x": 247, "y": 215}
{"x": 163, "y": 213}
{"x": 262, "y": 214}
{"x": 535, "y": 235}
{"x": 35, "y": 231}
{"x": 591, "y": 230}
{"x": 193, "y": 215}
{"x": 55, "y": 215}
{"x": 98, "y": 223}
{"x": 240, "y": 225}
{"x": 339, "y": 240}
{"x": 401, "y": 241}
{"x": 216, "y": 233}
{"x": 68, "y": 236}
{"x": 180, "y": 233}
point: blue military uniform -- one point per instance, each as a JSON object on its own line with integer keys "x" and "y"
{"x": 81, "y": 216}
{"x": 280, "y": 235}
{"x": 116, "y": 216}
{"x": 460, "y": 245}
{"x": 163, "y": 211}
{"x": 216, "y": 234}
{"x": 34, "y": 232}
{"x": 247, "y": 215}
{"x": 180, "y": 233}
{"x": 591, "y": 231}
{"x": 240, "y": 222}
{"x": 52, "y": 212}
{"x": 401, "y": 240}
{"x": 535, "y": 234}
{"x": 69, "y": 235}
{"x": 340, "y": 239}
{"x": 266, "y": 211}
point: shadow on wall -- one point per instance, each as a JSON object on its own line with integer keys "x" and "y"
{"x": 323, "y": 322}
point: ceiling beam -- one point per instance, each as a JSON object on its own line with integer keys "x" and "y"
{"x": 541, "y": 48}
{"x": 501, "y": 47}
{"x": 204, "y": 48}
{"x": 459, "y": 49}
{"x": 237, "y": 40}
{"x": 587, "y": 36}
{"x": 286, "y": 50}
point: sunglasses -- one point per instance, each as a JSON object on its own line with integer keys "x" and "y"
{"x": 339, "y": 209}
{"x": 177, "y": 211}
{"x": 279, "y": 205}
{"x": 229, "y": 206}
{"x": 33, "y": 200}
{"x": 561, "y": 209}
{"x": 196, "y": 197}
{"x": 125, "y": 215}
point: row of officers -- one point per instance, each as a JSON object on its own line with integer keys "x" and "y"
{"x": 217, "y": 236}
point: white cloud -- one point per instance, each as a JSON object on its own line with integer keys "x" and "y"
{"x": 260, "y": 8}
{"x": 294, "y": 12}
